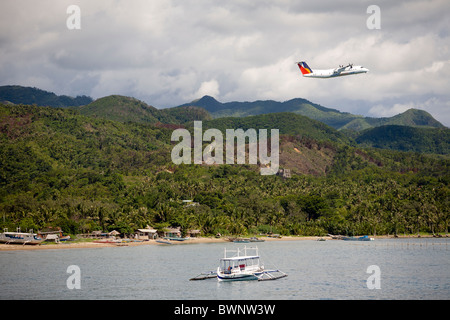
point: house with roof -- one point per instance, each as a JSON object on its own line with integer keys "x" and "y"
{"x": 148, "y": 233}
{"x": 193, "y": 233}
{"x": 172, "y": 232}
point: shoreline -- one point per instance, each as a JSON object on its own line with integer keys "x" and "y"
{"x": 91, "y": 244}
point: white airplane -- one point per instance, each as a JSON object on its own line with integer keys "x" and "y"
{"x": 330, "y": 73}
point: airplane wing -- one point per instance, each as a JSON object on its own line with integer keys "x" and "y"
{"x": 339, "y": 69}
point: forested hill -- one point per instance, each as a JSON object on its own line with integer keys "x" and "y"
{"x": 29, "y": 95}
{"x": 410, "y": 118}
{"x": 286, "y": 122}
{"x": 300, "y": 106}
{"x": 332, "y": 117}
{"x": 84, "y": 173}
{"x": 404, "y": 138}
{"x": 113, "y": 107}
{"x": 124, "y": 109}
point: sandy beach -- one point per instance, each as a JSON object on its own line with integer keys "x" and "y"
{"x": 83, "y": 245}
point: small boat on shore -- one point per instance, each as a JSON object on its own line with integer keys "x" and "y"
{"x": 163, "y": 242}
{"x": 247, "y": 240}
{"x": 240, "y": 240}
{"x": 176, "y": 238}
{"x": 363, "y": 238}
{"x": 335, "y": 237}
{"x": 107, "y": 241}
{"x": 65, "y": 238}
{"x": 20, "y": 237}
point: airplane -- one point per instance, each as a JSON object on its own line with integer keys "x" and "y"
{"x": 330, "y": 73}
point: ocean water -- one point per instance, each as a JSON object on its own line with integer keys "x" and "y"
{"x": 413, "y": 269}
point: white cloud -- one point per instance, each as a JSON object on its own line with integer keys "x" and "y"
{"x": 208, "y": 88}
{"x": 380, "y": 110}
{"x": 435, "y": 106}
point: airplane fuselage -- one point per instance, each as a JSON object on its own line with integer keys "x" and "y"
{"x": 331, "y": 73}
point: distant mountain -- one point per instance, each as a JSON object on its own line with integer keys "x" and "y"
{"x": 125, "y": 109}
{"x": 30, "y": 96}
{"x": 121, "y": 108}
{"x": 332, "y": 117}
{"x": 411, "y": 117}
{"x": 413, "y": 130}
{"x": 404, "y": 138}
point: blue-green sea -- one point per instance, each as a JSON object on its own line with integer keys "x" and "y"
{"x": 412, "y": 268}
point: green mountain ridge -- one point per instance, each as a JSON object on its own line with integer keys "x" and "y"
{"x": 263, "y": 114}
{"x": 121, "y": 108}
{"x": 131, "y": 109}
{"x": 28, "y": 95}
{"x": 124, "y": 109}
{"x": 332, "y": 117}
{"x": 411, "y": 117}
{"x": 420, "y": 132}
{"x": 404, "y": 138}
{"x": 287, "y": 123}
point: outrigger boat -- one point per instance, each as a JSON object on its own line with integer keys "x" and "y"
{"x": 176, "y": 238}
{"x": 20, "y": 237}
{"x": 363, "y": 238}
{"x": 163, "y": 242}
{"x": 241, "y": 266}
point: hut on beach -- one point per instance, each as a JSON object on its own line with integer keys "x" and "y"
{"x": 146, "y": 234}
{"x": 193, "y": 233}
{"x": 172, "y": 232}
{"x": 99, "y": 234}
{"x": 53, "y": 232}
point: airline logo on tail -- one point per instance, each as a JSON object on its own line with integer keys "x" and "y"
{"x": 304, "y": 68}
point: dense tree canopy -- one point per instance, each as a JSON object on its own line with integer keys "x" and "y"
{"x": 59, "y": 168}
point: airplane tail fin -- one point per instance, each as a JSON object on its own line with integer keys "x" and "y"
{"x": 304, "y": 68}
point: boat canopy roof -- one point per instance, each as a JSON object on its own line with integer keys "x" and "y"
{"x": 19, "y": 233}
{"x": 241, "y": 254}
{"x": 240, "y": 258}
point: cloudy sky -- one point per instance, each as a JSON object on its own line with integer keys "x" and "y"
{"x": 169, "y": 52}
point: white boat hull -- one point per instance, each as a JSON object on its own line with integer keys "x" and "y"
{"x": 236, "y": 277}
{"x": 20, "y": 238}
